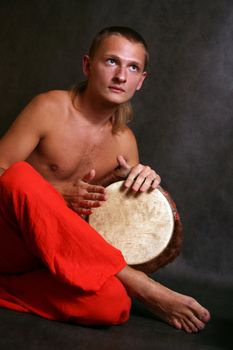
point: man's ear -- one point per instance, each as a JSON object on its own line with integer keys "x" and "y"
{"x": 86, "y": 65}
{"x": 143, "y": 77}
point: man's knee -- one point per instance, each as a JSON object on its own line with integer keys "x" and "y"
{"x": 19, "y": 177}
{"x": 116, "y": 305}
{"x": 123, "y": 305}
{"x": 109, "y": 306}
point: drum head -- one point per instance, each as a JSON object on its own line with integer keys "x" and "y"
{"x": 138, "y": 224}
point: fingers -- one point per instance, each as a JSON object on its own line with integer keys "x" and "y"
{"x": 87, "y": 197}
{"x": 95, "y": 189}
{"x": 90, "y": 176}
{"x": 142, "y": 178}
{"x": 84, "y": 212}
{"x": 84, "y": 207}
{"x": 134, "y": 173}
{"x": 83, "y": 204}
{"x": 94, "y": 197}
{"x": 152, "y": 181}
{"x": 123, "y": 168}
{"x": 123, "y": 163}
{"x": 87, "y": 202}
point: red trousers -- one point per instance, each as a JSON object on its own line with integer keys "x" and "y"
{"x": 52, "y": 263}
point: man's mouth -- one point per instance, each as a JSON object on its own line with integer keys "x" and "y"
{"x": 116, "y": 88}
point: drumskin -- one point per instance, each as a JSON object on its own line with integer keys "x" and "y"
{"x": 146, "y": 227}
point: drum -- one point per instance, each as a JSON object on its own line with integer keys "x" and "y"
{"x": 146, "y": 226}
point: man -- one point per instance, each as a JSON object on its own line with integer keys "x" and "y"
{"x": 52, "y": 263}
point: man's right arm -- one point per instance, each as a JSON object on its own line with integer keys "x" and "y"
{"x": 25, "y": 133}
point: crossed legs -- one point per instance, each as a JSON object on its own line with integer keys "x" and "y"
{"x": 52, "y": 263}
{"x": 62, "y": 269}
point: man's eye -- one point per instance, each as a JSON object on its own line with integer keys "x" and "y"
{"x": 134, "y": 68}
{"x": 111, "y": 61}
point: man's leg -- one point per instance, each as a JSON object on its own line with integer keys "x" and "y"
{"x": 40, "y": 293}
{"x": 178, "y": 310}
{"x": 70, "y": 248}
{"x": 61, "y": 248}
{"x": 44, "y": 237}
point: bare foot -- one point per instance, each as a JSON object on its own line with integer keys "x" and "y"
{"x": 180, "y": 311}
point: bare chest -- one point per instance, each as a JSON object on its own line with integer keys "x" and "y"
{"x": 66, "y": 156}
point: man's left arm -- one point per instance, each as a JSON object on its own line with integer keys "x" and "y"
{"x": 138, "y": 177}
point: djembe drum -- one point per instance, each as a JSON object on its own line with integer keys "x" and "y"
{"x": 146, "y": 226}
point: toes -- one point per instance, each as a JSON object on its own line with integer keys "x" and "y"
{"x": 193, "y": 326}
{"x": 185, "y": 326}
{"x": 189, "y": 326}
{"x": 199, "y": 324}
{"x": 177, "y": 324}
{"x": 206, "y": 316}
{"x": 201, "y": 313}
{"x": 203, "y": 316}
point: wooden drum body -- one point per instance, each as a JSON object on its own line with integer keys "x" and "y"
{"x": 145, "y": 226}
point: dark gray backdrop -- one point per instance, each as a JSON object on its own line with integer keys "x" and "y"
{"x": 183, "y": 115}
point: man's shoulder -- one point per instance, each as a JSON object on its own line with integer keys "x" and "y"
{"x": 126, "y": 140}
{"x": 126, "y": 134}
{"x": 46, "y": 108}
{"x": 52, "y": 99}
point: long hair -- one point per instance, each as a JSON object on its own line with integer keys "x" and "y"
{"x": 124, "y": 112}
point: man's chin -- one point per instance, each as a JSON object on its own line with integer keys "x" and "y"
{"x": 118, "y": 99}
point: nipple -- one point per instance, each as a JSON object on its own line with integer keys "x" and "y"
{"x": 54, "y": 167}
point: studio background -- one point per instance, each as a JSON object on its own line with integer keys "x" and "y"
{"x": 183, "y": 114}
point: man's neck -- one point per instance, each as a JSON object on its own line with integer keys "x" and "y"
{"x": 96, "y": 112}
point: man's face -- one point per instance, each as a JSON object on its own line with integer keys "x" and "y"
{"x": 117, "y": 69}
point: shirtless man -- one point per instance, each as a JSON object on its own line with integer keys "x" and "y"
{"x": 73, "y": 141}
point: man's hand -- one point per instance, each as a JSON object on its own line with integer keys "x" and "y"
{"x": 138, "y": 178}
{"x": 83, "y": 196}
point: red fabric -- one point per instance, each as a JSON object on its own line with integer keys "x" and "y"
{"x": 52, "y": 262}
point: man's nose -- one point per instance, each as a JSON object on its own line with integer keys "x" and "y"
{"x": 121, "y": 74}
